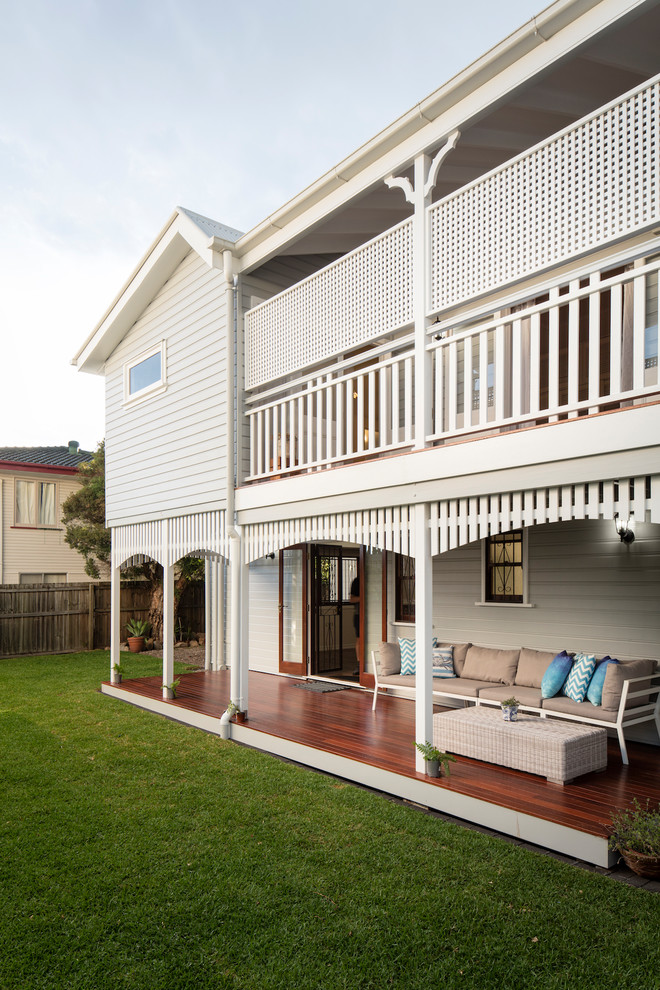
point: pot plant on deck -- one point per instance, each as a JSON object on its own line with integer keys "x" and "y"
{"x": 435, "y": 762}
{"x": 635, "y": 833}
{"x": 137, "y": 629}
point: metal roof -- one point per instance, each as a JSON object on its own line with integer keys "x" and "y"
{"x": 212, "y": 227}
{"x": 48, "y": 456}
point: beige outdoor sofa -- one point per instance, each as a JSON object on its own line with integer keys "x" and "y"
{"x": 485, "y": 675}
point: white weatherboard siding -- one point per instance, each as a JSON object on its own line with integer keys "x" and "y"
{"x": 588, "y": 590}
{"x": 167, "y": 454}
{"x": 36, "y": 551}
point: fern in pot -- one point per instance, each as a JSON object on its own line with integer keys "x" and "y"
{"x": 635, "y": 833}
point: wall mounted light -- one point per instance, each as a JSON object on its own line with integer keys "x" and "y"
{"x": 436, "y": 323}
{"x": 624, "y": 529}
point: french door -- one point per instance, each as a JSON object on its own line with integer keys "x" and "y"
{"x": 293, "y": 610}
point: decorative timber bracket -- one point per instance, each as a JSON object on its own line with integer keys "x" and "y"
{"x": 401, "y": 182}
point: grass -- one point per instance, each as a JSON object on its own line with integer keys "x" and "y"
{"x": 139, "y": 853}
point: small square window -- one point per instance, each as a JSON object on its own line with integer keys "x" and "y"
{"x": 34, "y": 503}
{"x": 145, "y": 376}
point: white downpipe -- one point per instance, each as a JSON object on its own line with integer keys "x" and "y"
{"x": 208, "y": 614}
{"x": 233, "y": 531}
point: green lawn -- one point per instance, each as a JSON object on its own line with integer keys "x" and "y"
{"x": 140, "y": 853}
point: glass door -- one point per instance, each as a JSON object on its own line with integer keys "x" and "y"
{"x": 293, "y": 611}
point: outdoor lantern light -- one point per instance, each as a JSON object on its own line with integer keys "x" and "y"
{"x": 624, "y": 529}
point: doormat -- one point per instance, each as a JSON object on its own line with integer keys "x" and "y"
{"x": 320, "y": 688}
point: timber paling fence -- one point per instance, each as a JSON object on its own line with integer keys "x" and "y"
{"x": 68, "y": 618}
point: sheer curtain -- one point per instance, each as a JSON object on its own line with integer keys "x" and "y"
{"x": 24, "y": 514}
{"x": 46, "y": 504}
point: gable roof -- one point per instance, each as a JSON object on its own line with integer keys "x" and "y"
{"x": 184, "y": 231}
{"x": 50, "y": 457}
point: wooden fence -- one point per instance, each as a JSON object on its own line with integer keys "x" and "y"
{"x": 66, "y": 618}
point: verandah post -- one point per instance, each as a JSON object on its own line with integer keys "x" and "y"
{"x": 423, "y": 631}
{"x": 115, "y": 614}
{"x": 168, "y": 629}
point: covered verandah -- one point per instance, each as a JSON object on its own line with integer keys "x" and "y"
{"x": 338, "y": 733}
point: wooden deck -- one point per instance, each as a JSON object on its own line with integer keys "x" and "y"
{"x": 338, "y": 732}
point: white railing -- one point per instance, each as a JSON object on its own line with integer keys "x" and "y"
{"x": 351, "y": 412}
{"x": 578, "y": 350}
{"x": 586, "y": 186}
{"x": 357, "y": 299}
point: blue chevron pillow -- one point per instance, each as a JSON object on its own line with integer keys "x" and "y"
{"x": 577, "y": 682}
{"x": 408, "y": 649}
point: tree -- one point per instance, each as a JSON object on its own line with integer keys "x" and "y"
{"x": 83, "y": 514}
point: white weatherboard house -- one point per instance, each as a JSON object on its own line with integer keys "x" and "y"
{"x": 434, "y": 370}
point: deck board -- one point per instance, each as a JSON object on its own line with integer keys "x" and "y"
{"x": 342, "y": 723}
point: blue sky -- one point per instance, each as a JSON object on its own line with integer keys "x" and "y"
{"x": 112, "y": 113}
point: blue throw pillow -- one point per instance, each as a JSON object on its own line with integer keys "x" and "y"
{"x": 443, "y": 661}
{"x": 595, "y": 689}
{"x": 577, "y": 682}
{"x": 408, "y": 649}
{"x": 556, "y": 674}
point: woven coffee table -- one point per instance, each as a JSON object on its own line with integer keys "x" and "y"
{"x": 558, "y": 750}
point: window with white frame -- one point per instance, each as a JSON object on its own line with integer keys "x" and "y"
{"x": 146, "y": 375}
{"x": 35, "y": 503}
{"x": 42, "y": 578}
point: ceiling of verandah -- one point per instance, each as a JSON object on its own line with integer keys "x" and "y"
{"x": 590, "y": 77}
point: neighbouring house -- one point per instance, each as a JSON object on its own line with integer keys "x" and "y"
{"x": 421, "y": 399}
{"x": 34, "y": 482}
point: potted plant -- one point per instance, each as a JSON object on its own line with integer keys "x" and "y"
{"x": 137, "y": 629}
{"x": 118, "y": 672}
{"x": 510, "y": 709}
{"x": 635, "y": 833}
{"x": 435, "y": 762}
{"x": 171, "y": 688}
{"x": 235, "y": 712}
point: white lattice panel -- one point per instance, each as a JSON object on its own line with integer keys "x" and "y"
{"x": 589, "y": 185}
{"x": 383, "y": 529}
{"x": 168, "y": 540}
{"x": 456, "y": 522}
{"x": 356, "y": 299}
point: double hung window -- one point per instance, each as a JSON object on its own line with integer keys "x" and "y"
{"x": 34, "y": 503}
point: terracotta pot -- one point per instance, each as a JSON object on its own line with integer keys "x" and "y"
{"x": 135, "y": 644}
{"x": 240, "y": 717}
{"x": 642, "y": 864}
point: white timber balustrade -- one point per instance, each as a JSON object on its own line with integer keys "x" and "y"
{"x": 360, "y": 408}
{"x": 583, "y": 346}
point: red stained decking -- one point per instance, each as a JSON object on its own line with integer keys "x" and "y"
{"x": 342, "y": 723}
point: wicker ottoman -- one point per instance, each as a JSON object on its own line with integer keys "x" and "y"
{"x": 552, "y": 748}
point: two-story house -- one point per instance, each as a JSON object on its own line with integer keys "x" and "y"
{"x": 421, "y": 399}
{"x": 34, "y": 483}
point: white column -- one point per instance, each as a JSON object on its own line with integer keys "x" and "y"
{"x": 168, "y": 628}
{"x": 220, "y": 573}
{"x": 115, "y": 617}
{"x": 421, "y": 263}
{"x": 208, "y": 613}
{"x": 423, "y": 631}
{"x": 245, "y": 634}
{"x": 235, "y": 564}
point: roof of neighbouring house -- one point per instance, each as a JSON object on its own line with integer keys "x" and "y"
{"x": 46, "y": 456}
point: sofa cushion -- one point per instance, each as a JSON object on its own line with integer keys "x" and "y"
{"x": 576, "y": 684}
{"x": 530, "y": 697}
{"x": 388, "y": 659}
{"x": 398, "y": 680}
{"x": 532, "y": 665}
{"x": 616, "y": 674}
{"x": 460, "y": 650}
{"x": 595, "y": 689}
{"x": 556, "y": 674}
{"x": 460, "y": 687}
{"x": 583, "y": 709}
{"x": 443, "y": 661}
{"x": 487, "y": 664}
{"x": 408, "y": 655}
